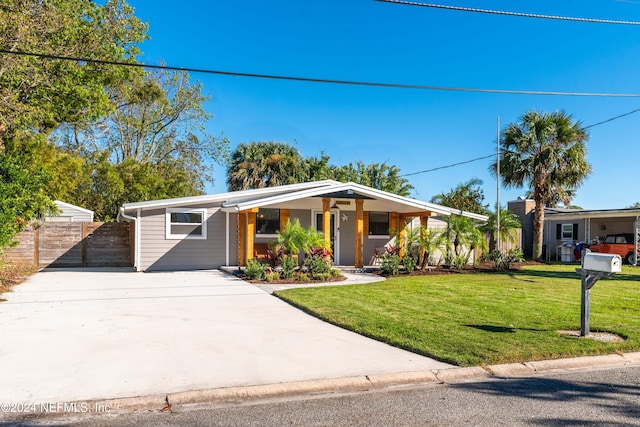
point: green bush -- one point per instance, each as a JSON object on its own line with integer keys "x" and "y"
{"x": 321, "y": 276}
{"x": 390, "y": 264}
{"x": 303, "y": 277}
{"x": 459, "y": 262}
{"x": 409, "y": 263}
{"x": 335, "y": 273}
{"x": 255, "y": 270}
{"x": 318, "y": 265}
{"x": 270, "y": 277}
{"x": 288, "y": 264}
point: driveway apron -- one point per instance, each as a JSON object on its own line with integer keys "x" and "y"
{"x": 106, "y": 333}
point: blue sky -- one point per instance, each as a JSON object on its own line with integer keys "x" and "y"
{"x": 415, "y": 130}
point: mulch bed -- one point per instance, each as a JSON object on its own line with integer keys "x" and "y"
{"x": 483, "y": 267}
{"x": 291, "y": 281}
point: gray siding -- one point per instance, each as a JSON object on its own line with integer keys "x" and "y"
{"x": 159, "y": 253}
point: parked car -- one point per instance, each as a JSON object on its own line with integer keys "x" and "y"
{"x": 620, "y": 244}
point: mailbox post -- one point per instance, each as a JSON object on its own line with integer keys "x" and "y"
{"x": 595, "y": 266}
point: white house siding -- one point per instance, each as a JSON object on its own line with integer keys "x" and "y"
{"x": 159, "y": 253}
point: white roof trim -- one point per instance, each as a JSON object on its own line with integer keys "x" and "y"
{"x": 368, "y": 191}
{"x": 221, "y": 197}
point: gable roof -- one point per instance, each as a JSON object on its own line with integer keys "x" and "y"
{"x": 263, "y": 197}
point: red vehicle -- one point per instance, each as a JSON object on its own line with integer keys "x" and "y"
{"x": 620, "y": 244}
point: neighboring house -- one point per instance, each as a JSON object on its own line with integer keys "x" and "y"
{"x": 70, "y": 213}
{"x": 565, "y": 229}
{"x": 228, "y": 229}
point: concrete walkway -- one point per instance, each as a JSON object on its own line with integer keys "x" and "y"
{"x": 108, "y": 333}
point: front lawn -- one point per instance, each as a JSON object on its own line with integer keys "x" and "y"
{"x": 484, "y": 318}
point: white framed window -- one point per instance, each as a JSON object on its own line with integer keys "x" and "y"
{"x": 186, "y": 223}
{"x": 567, "y": 231}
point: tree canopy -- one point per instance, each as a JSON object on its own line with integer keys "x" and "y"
{"x": 266, "y": 164}
{"x": 467, "y": 196}
{"x": 92, "y": 134}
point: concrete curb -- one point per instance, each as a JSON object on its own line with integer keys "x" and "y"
{"x": 365, "y": 382}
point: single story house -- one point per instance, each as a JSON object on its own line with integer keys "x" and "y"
{"x": 227, "y": 229}
{"x": 565, "y": 228}
{"x": 70, "y": 213}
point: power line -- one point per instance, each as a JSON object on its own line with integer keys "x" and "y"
{"x": 319, "y": 80}
{"x": 521, "y": 14}
{"x": 493, "y": 155}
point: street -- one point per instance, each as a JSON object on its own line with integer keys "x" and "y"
{"x": 607, "y": 396}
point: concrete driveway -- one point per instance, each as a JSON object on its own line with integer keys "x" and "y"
{"x": 108, "y": 333}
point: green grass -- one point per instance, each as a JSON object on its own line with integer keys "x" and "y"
{"x": 485, "y": 318}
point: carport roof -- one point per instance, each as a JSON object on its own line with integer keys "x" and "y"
{"x": 560, "y": 213}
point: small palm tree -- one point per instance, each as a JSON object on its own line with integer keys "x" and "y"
{"x": 544, "y": 151}
{"x": 509, "y": 225}
{"x": 431, "y": 240}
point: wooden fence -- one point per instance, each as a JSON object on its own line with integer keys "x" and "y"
{"x": 75, "y": 244}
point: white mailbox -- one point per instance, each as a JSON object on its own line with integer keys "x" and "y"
{"x": 606, "y": 263}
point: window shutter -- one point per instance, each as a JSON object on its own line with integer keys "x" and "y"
{"x": 558, "y": 231}
{"x": 575, "y": 231}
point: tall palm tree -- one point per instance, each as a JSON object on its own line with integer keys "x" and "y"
{"x": 544, "y": 151}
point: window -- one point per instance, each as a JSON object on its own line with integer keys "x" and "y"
{"x": 379, "y": 223}
{"x": 567, "y": 231}
{"x": 268, "y": 221}
{"x": 186, "y": 224}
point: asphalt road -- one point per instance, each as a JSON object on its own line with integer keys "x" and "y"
{"x": 602, "y": 397}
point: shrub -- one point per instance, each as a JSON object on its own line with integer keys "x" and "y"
{"x": 303, "y": 277}
{"x": 321, "y": 276}
{"x": 270, "y": 277}
{"x": 390, "y": 263}
{"x": 288, "y": 264}
{"x": 409, "y": 263}
{"x": 255, "y": 270}
{"x": 318, "y": 264}
{"x": 503, "y": 260}
{"x": 459, "y": 262}
{"x": 335, "y": 273}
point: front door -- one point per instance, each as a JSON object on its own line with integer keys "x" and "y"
{"x": 332, "y": 234}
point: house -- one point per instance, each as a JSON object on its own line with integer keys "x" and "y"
{"x": 565, "y": 228}
{"x": 228, "y": 229}
{"x": 70, "y": 213}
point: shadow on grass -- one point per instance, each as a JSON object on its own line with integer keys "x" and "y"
{"x": 618, "y": 400}
{"x": 501, "y": 329}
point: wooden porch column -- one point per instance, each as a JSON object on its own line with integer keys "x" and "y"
{"x": 326, "y": 221}
{"x": 242, "y": 236}
{"x": 284, "y": 218}
{"x": 424, "y": 220}
{"x": 251, "y": 233}
{"x": 393, "y": 224}
{"x": 359, "y": 263}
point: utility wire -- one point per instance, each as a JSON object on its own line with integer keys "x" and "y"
{"x": 521, "y": 14}
{"x": 318, "y": 80}
{"x": 493, "y": 155}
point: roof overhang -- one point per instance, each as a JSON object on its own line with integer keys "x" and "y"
{"x": 584, "y": 214}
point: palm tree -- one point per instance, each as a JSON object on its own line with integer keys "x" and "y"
{"x": 264, "y": 164}
{"x": 463, "y": 236}
{"x": 509, "y": 225}
{"x": 544, "y": 151}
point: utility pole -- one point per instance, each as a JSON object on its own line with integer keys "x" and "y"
{"x": 498, "y": 239}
